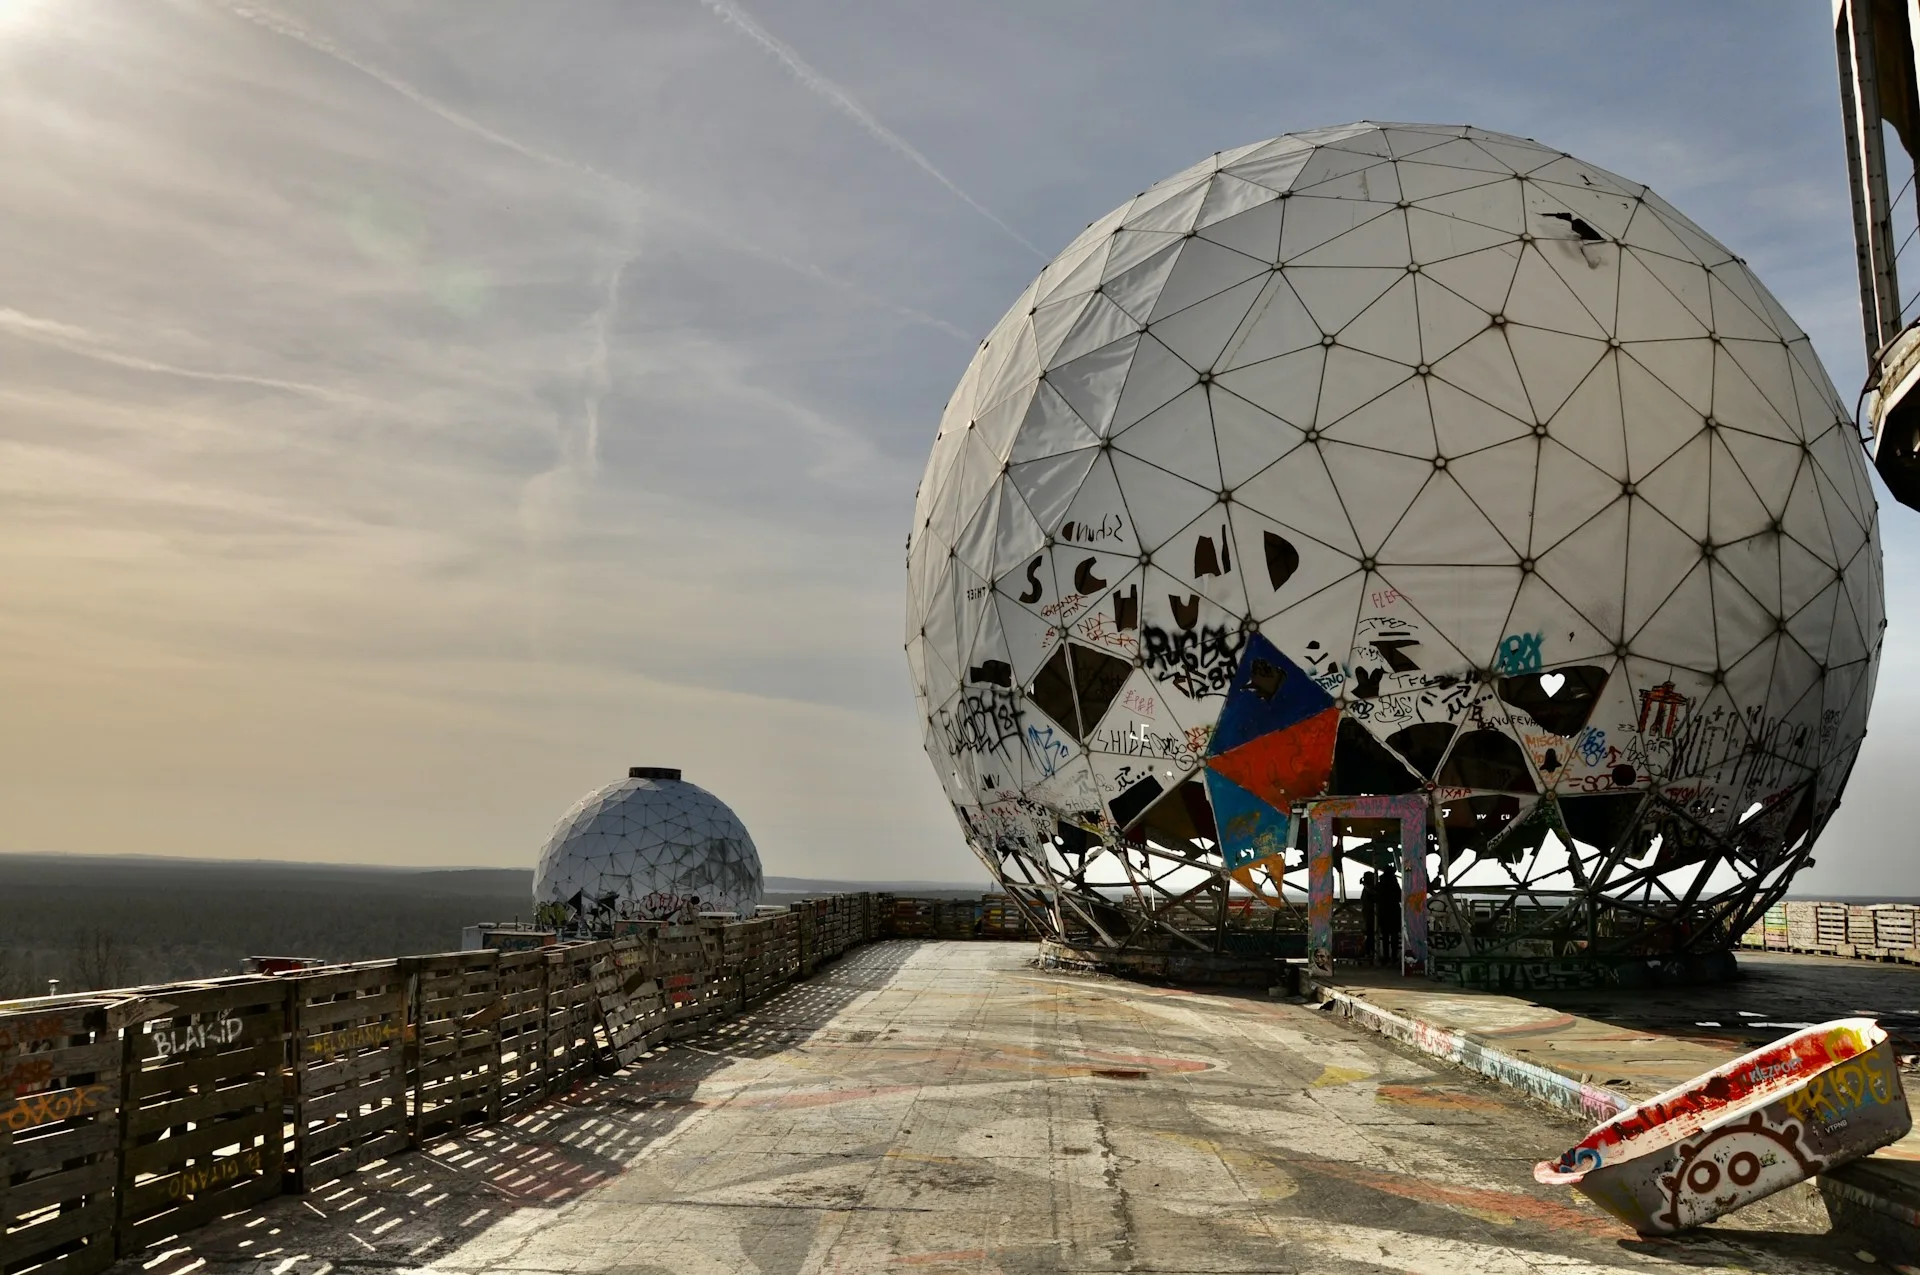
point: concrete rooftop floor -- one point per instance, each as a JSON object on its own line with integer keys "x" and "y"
{"x": 945, "y": 1106}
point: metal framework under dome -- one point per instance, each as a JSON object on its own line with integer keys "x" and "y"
{"x": 1396, "y": 493}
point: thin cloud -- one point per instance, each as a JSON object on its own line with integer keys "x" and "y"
{"x": 286, "y": 28}
{"x": 819, "y": 85}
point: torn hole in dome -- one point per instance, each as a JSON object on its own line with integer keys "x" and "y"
{"x": 1133, "y": 800}
{"x": 1052, "y": 692}
{"x": 1779, "y": 822}
{"x": 1072, "y": 839}
{"x": 1381, "y": 847}
{"x": 1283, "y": 559}
{"x": 1097, "y": 679}
{"x": 1681, "y": 841}
{"x": 1077, "y": 685}
{"x": 1180, "y": 820}
{"x": 1600, "y": 820}
{"x": 1423, "y": 745}
{"x": 1362, "y": 766}
{"x": 1520, "y": 838}
{"x": 1560, "y": 700}
{"x": 1487, "y": 759}
{"x": 1473, "y": 821}
{"x": 991, "y": 673}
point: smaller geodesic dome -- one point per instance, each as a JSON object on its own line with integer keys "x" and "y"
{"x": 652, "y": 847}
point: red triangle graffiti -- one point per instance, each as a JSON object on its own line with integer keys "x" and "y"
{"x": 1284, "y": 766}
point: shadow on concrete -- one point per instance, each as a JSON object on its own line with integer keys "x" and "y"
{"x": 1716, "y": 1245}
{"x": 416, "y": 1207}
{"x": 1776, "y": 994}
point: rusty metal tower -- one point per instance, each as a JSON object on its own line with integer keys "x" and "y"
{"x": 1874, "y": 40}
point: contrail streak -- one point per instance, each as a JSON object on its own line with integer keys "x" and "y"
{"x": 74, "y": 340}
{"x": 599, "y": 377}
{"x": 687, "y": 221}
{"x": 819, "y": 85}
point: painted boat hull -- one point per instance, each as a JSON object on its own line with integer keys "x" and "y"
{"x": 1824, "y": 1104}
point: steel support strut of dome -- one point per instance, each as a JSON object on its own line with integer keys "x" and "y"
{"x": 1396, "y": 493}
{"x": 651, "y": 847}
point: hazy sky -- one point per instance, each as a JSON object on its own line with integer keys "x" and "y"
{"x": 414, "y": 413}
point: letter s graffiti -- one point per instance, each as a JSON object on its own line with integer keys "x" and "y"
{"x": 1033, "y": 580}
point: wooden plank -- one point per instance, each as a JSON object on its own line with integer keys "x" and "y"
{"x": 64, "y": 1149}
{"x": 320, "y": 1078}
{"x": 90, "y": 1226}
{"x": 24, "y": 1073}
{"x": 324, "y": 1020}
{"x": 75, "y": 1241}
{"x": 180, "y": 1151}
{"x": 258, "y": 1092}
{"x": 324, "y": 1142}
{"x": 363, "y": 1102}
{"x": 62, "y": 1189}
{"x": 174, "y": 1073}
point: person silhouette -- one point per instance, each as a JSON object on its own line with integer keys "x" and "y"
{"x": 1369, "y": 910}
{"x": 1386, "y": 901}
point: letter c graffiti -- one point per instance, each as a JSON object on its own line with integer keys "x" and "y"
{"x": 1084, "y": 581}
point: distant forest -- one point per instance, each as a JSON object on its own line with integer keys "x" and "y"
{"x": 94, "y": 922}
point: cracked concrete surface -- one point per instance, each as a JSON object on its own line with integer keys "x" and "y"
{"x": 945, "y": 1107}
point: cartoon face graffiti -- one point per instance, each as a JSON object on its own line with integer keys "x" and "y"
{"x": 1731, "y": 1167}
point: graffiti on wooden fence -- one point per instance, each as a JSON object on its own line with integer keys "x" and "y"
{"x": 62, "y": 1104}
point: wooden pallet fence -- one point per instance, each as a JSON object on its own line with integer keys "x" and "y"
{"x": 1876, "y": 931}
{"x": 910, "y": 918}
{"x": 1000, "y": 917}
{"x": 1803, "y": 926}
{"x": 680, "y": 963}
{"x": 1830, "y": 924}
{"x": 786, "y": 931}
{"x": 59, "y": 1138}
{"x": 573, "y": 1041}
{"x": 767, "y": 959}
{"x": 202, "y": 1135}
{"x": 724, "y": 992}
{"x": 128, "y": 1118}
{"x": 630, "y": 1005}
{"x": 349, "y": 1053}
{"x": 1893, "y": 926}
{"x": 805, "y": 941}
{"x": 522, "y": 1031}
{"x": 742, "y": 949}
{"x": 1774, "y": 927}
{"x": 453, "y": 1049}
{"x": 1859, "y": 932}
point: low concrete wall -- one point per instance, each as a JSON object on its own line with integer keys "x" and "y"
{"x": 1543, "y": 1083}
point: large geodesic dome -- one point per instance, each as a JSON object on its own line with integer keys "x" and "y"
{"x": 651, "y": 847}
{"x": 1409, "y": 462}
